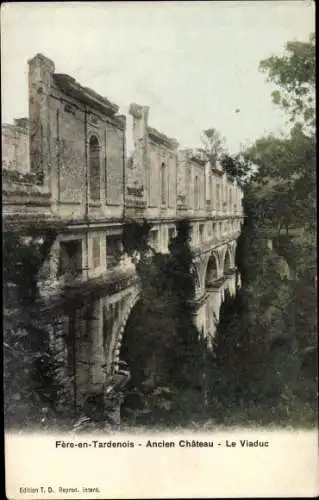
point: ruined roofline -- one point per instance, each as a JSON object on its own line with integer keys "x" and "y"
{"x": 190, "y": 155}
{"x": 197, "y": 160}
{"x": 141, "y": 113}
{"x": 18, "y": 123}
{"x": 22, "y": 123}
{"x": 216, "y": 168}
{"x": 137, "y": 111}
{"x": 8, "y": 126}
{"x": 160, "y": 137}
{"x": 218, "y": 172}
{"x": 45, "y": 61}
{"x": 69, "y": 86}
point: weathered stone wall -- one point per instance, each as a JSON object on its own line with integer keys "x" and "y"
{"x": 152, "y": 172}
{"x": 190, "y": 169}
{"x": 64, "y": 117}
{"x": 93, "y": 255}
{"x": 136, "y": 183}
{"x": 69, "y": 156}
{"x": 15, "y": 146}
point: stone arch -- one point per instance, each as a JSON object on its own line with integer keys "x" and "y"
{"x": 116, "y": 344}
{"x": 212, "y": 270}
{"x": 228, "y": 260}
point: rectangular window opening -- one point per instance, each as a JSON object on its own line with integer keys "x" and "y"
{"x": 113, "y": 250}
{"x": 70, "y": 260}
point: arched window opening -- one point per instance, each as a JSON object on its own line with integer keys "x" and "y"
{"x": 211, "y": 272}
{"x": 163, "y": 184}
{"x": 196, "y": 192}
{"x": 95, "y": 169}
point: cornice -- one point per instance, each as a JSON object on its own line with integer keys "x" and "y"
{"x": 71, "y": 87}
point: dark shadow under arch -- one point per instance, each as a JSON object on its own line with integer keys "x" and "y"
{"x": 211, "y": 270}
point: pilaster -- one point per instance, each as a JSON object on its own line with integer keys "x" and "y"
{"x": 41, "y": 70}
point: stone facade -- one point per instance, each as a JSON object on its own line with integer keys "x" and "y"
{"x": 83, "y": 182}
{"x": 165, "y": 184}
{"x": 151, "y": 181}
{"x": 77, "y": 144}
{"x": 15, "y": 146}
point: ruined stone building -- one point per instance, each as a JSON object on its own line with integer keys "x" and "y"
{"x": 15, "y": 146}
{"x": 82, "y": 182}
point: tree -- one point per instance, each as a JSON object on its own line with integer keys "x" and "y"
{"x": 284, "y": 183}
{"x": 213, "y": 145}
{"x": 294, "y": 74}
{"x": 168, "y": 354}
{"x": 237, "y": 167}
{"x": 30, "y": 390}
{"x": 272, "y": 335}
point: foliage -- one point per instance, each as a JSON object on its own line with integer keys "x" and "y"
{"x": 284, "y": 187}
{"x": 29, "y": 391}
{"x": 213, "y": 145}
{"x": 237, "y": 167}
{"x": 167, "y": 341}
{"x": 264, "y": 370}
{"x": 135, "y": 237}
{"x": 261, "y": 359}
{"x": 294, "y": 75}
{"x": 285, "y": 183}
{"x": 24, "y": 257}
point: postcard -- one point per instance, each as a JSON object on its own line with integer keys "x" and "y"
{"x": 159, "y": 241}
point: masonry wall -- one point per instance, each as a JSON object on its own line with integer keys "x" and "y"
{"x": 160, "y": 156}
{"x": 152, "y": 152}
{"x": 61, "y": 129}
{"x": 15, "y": 146}
{"x": 136, "y": 183}
{"x": 188, "y": 170}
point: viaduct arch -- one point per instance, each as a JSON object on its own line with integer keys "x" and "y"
{"x": 214, "y": 272}
{"x": 217, "y": 273}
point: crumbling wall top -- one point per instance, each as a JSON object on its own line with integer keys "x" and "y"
{"x": 189, "y": 154}
{"x": 41, "y": 60}
{"x": 71, "y": 87}
{"x": 22, "y": 123}
{"x": 141, "y": 113}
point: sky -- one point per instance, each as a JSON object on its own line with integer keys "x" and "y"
{"x": 194, "y": 63}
